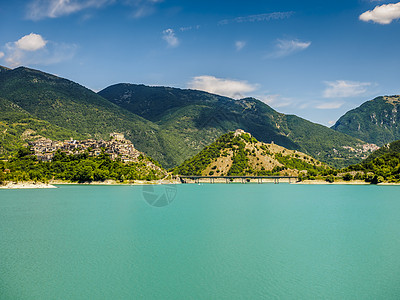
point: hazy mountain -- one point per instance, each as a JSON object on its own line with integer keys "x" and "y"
{"x": 376, "y": 121}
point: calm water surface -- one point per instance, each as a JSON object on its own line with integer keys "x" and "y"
{"x": 212, "y": 242}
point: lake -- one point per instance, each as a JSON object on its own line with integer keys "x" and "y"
{"x": 213, "y": 241}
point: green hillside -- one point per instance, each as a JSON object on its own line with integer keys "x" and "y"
{"x": 190, "y": 120}
{"x": 75, "y": 109}
{"x": 383, "y": 164}
{"x": 168, "y": 124}
{"x": 238, "y": 153}
{"x": 376, "y": 121}
{"x": 17, "y": 127}
{"x": 391, "y": 148}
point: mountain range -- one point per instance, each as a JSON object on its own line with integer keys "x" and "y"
{"x": 169, "y": 124}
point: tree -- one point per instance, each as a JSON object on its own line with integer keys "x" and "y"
{"x": 347, "y": 177}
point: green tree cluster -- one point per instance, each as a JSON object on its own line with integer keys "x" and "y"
{"x": 83, "y": 167}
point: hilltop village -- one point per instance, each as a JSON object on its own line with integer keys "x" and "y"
{"x": 116, "y": 147}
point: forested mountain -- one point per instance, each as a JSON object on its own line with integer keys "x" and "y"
{"x": 189, "y": 120}
{"x": 376, "y": 121}
{"x": 238, "y": 154}
{"x": 168, "y": 124}
{"x": 18, "y": 126}
{"x": 75, "y": 109}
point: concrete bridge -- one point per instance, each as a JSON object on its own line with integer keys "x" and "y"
{"x": 243, "y": 179}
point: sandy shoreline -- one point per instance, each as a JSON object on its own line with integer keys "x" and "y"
{"x": 112, "y": 182}
{"x": 27, "y": 185}
{"x": 52, "y": 184}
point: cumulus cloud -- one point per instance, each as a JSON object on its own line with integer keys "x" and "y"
{"x": 221, "y": 86}
{"x": 383, "y": 14}
{"x": 239, "y": 45}
{"x": 1, "y": 54}
{"x": 33, "y": 49}
{"x": 31, "y": 42}
{"x": 330, "y": 105}
{"x": 258, "y": 18}
{"x": 170, "y": 37}
{"x": 286, "y": 47}
{"x": 344, "y": 89}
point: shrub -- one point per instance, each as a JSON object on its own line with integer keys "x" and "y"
{"x": 347, "y": 177}
{"x": 330, "y": 178}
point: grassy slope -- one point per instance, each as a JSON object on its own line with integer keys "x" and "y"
{"x": 244, "y": 155}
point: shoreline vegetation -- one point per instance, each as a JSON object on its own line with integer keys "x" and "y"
{"x": 233, "y": 154}
{"x": 54, "y": 183}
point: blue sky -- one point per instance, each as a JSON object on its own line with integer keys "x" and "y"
{"x": 315, "y": 59}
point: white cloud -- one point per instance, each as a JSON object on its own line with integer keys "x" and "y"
{"x": 1, "y": 54}
{"x": 31, "y": 42}
{"x": 344, "y": 89}
{"x": 143, "y": 8}
{"x": 188, "y": 28}
{"x": 383, "y": 14}
{"x": 239, "y": 45}
{"x": 330, "y": 105}
{"x": 32, "y": 49}
{"x": 258, "y": 18}
{"x": 221, "y": 86}
{"x": 287, "y": 47}
{"x": 276, "y": 100}
{"x": 41, "y": 9}
{"x": 170, "y": 37}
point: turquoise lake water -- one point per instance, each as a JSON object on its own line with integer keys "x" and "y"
{"x": 236, "y": 241}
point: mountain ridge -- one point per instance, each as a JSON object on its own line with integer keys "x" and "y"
{"x": 375, "y": 121}
{"x": 211, "y": 115}
{"x": 169, "y": 124}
